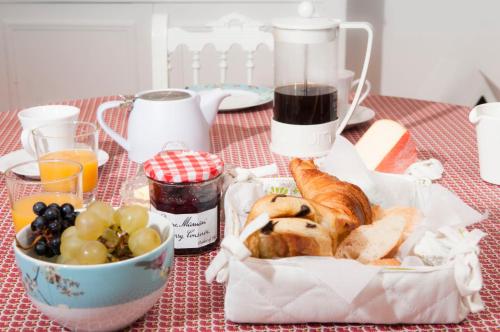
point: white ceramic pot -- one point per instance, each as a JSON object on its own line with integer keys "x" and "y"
{"x": 486, "y": 117}
{"x": 162, "y": 116}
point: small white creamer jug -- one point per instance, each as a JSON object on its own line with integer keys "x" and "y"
{"x": 486, "y": 117}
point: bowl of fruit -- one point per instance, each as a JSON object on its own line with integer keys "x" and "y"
{"x": 99, "y": 269}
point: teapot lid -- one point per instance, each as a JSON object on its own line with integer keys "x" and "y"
{"x": 306, "y": 21}
{"x": 164, "y": 95}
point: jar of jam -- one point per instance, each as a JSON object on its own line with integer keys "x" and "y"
{"x": 185, "y": 186}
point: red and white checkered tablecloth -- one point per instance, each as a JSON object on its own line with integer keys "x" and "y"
{"x": 441, "y": 131}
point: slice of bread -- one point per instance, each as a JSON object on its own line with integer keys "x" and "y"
{"x": 368, "y": 243}
{"x": 411, "y": 215}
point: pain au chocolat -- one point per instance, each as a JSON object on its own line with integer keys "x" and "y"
{"x": 283, "y": 206}
{"x": 286, "y": 237}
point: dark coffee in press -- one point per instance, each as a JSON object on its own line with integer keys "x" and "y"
{"x": 305, "y": 104}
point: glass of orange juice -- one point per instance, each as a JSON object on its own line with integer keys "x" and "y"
{"x": 26, "y": 190}
{"x": 74, "y": 140}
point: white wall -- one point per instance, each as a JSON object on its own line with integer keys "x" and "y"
{"x": 429, "y": 49}
{"x": 54, "y": 50}
{"x": 443, "y": 50}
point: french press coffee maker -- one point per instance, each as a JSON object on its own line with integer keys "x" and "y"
{"x": 305, "y": 120}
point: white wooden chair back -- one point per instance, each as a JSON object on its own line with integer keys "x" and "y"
{"x": 232, "y": 29}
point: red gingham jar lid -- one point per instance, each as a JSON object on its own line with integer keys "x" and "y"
{"x": 176, "y": 166}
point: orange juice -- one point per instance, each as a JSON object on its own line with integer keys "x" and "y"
{"x": 22, "y": 210}
{"x": 56, "y": 171}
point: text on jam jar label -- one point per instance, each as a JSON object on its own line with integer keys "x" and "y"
{"x": 193, "y": 230}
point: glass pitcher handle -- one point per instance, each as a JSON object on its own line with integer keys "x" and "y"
{"x": 369, "y": 30}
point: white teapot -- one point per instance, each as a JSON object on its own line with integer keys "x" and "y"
{"x": 162, "y": 116}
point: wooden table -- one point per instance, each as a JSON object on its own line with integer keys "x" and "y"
{"x": 441, "y": 131}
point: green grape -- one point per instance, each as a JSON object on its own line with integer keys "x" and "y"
{"x": 89, "y": 226}
{"x": 69, "y": 232}
{"x": 70, "y": 246}
{"x": 131, "y": 218}
{"x": 144, "y": 240}
{"x": 61, "y": 259}
{"x": 92, "y": 252}
{"x": 103, "y": 211}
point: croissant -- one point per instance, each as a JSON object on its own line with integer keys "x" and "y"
{"x": 347, "y": 200}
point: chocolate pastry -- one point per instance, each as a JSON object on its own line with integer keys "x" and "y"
{"x": 286, "y": 237}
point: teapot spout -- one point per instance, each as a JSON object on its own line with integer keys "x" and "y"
{"x": 210, "y": 102}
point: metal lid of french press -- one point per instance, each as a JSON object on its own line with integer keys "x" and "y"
{"x": 306, "y": 20}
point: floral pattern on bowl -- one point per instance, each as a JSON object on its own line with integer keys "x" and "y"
{"x": 159, "y": 264}
{"x": 65, "y": 286}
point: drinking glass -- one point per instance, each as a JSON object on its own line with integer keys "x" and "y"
{"x": 75, "y": 140}
{"x": 24, "y": 191}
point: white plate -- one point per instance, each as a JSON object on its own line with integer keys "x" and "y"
{"x": 361, "y": 115}
{"x": 242, "y": 95}
{"x": 20, "y": 156}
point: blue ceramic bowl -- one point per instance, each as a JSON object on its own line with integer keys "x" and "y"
{"x": 98, "y": 297}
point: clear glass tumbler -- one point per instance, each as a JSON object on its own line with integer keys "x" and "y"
{"x": 75, "y": 140}
{"x": 25, "y": 190}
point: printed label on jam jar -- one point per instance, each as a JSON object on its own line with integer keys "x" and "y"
{"x": 193, "y": 230}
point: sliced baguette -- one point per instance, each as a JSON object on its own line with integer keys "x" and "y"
{"x": 411, "y": 215}
{"x": 368, "y": 243}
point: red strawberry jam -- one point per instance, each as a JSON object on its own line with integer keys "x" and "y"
{"x": 185, "y": 186}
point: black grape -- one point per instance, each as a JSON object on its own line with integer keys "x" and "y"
{"x": 41, "y": 247}
{"x": 39, "y": 208}
{"x": 51, "y": 213}
{"x": 67, "y": 209}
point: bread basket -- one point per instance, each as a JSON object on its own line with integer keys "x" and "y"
{"x": 325, "y": 289}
